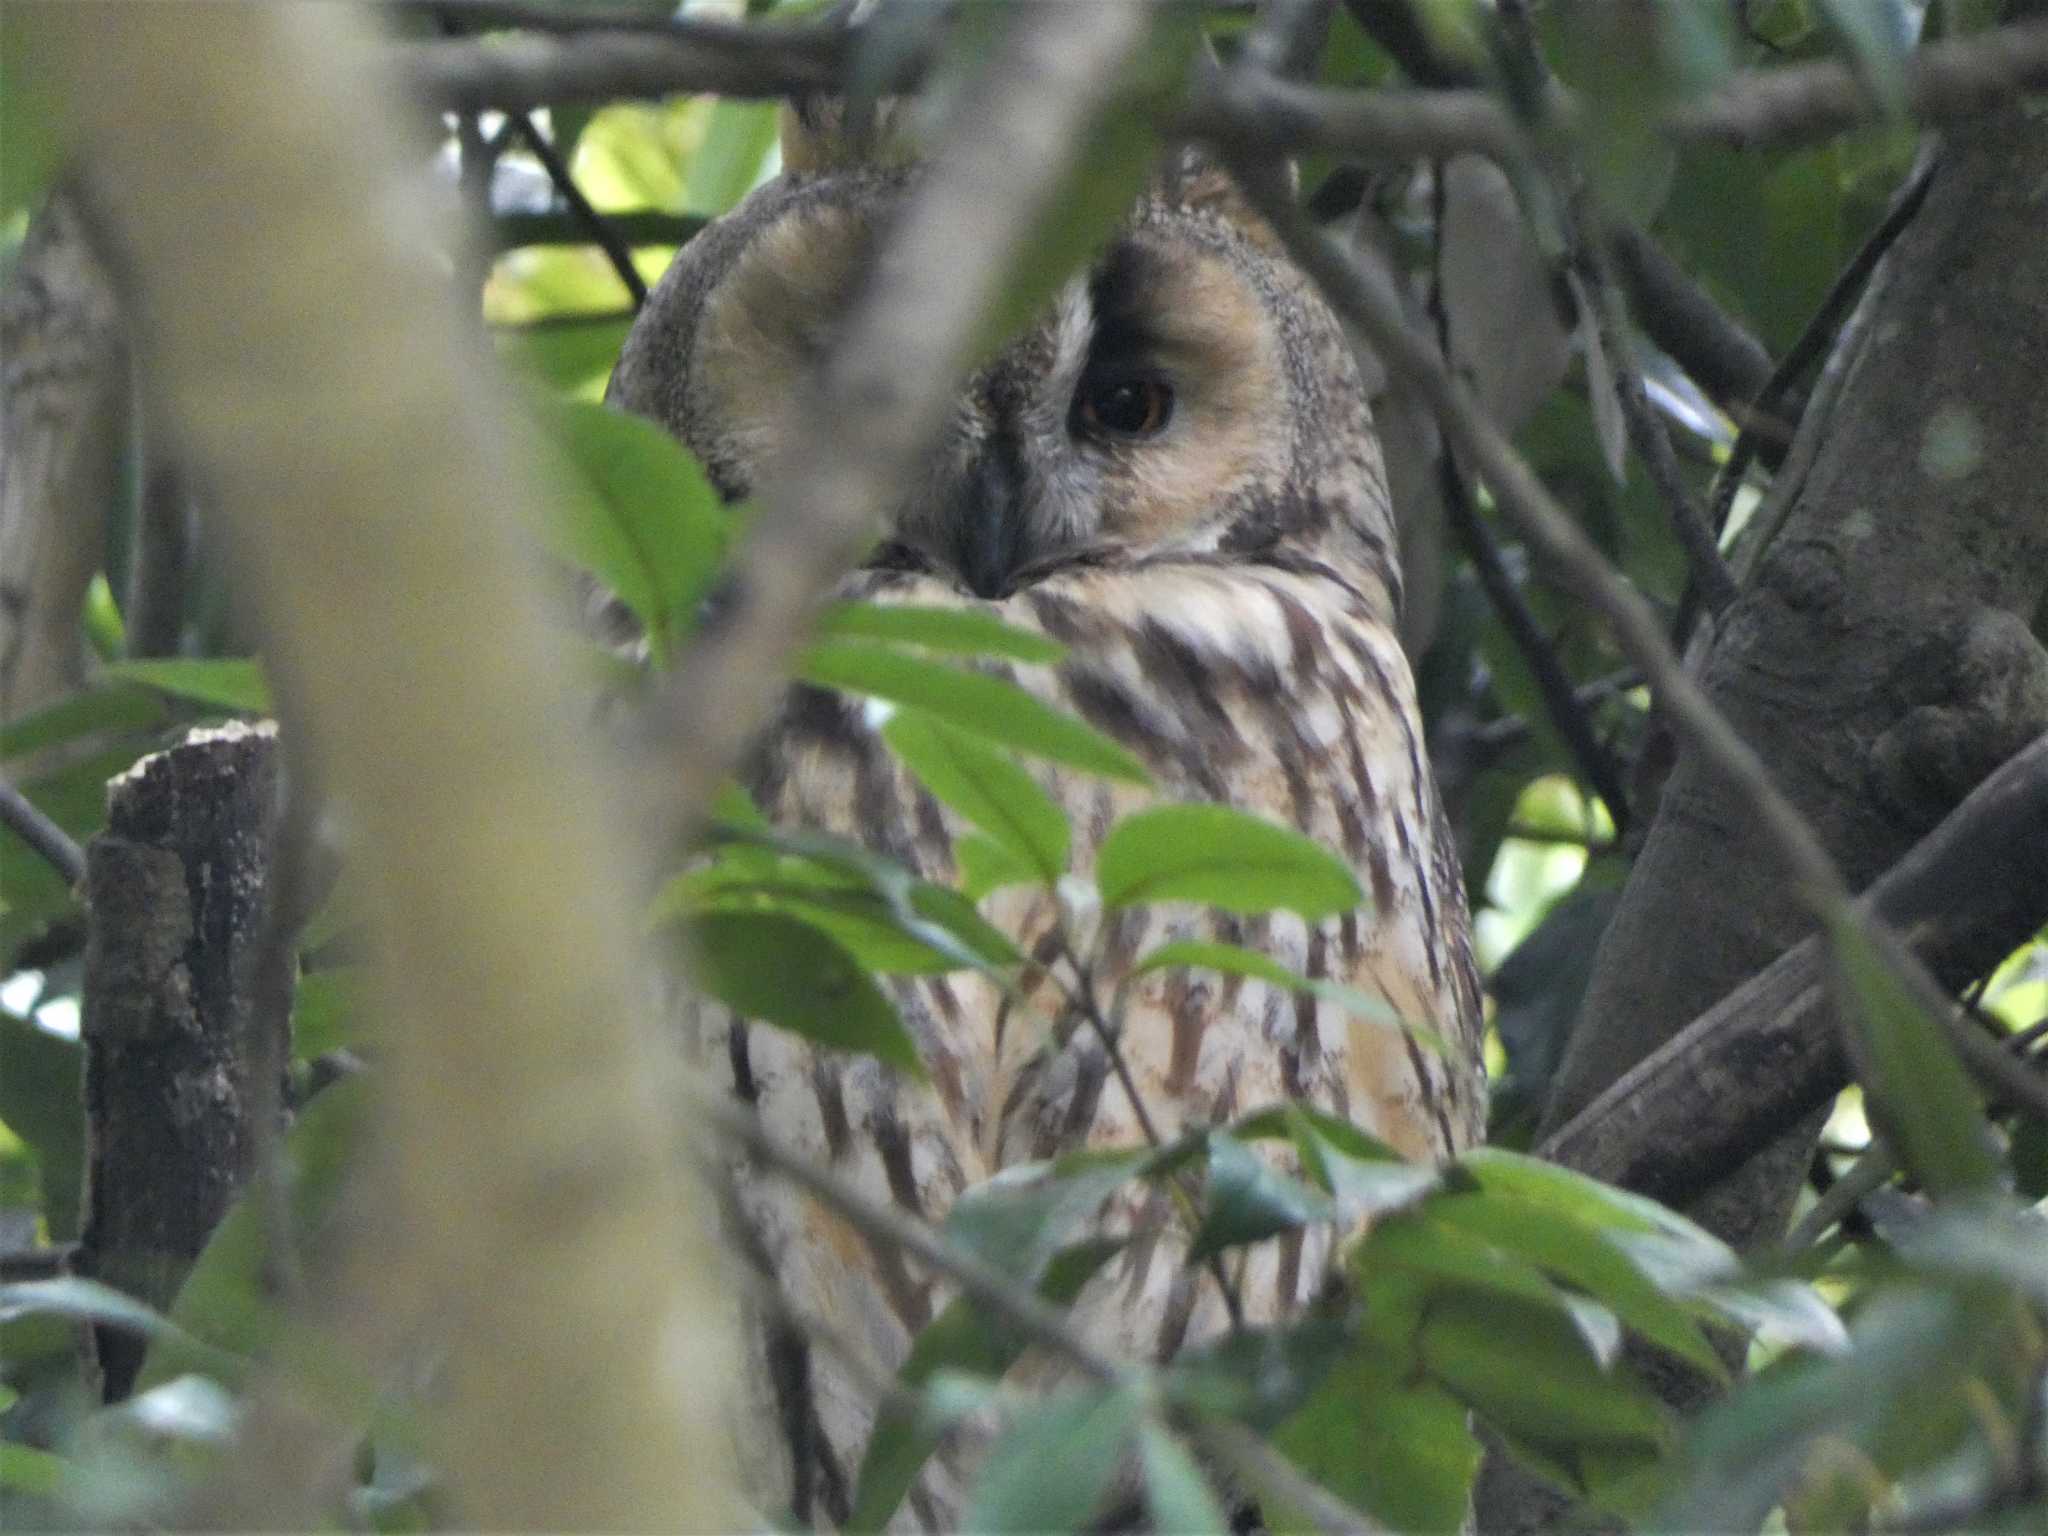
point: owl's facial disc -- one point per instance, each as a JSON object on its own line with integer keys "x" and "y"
{"x": 1136, "y": 414}
{"x": 1141, "y": 412}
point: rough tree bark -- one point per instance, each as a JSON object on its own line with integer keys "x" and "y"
{"x": 176, "y": 885}
{"x": 1880, "y": 656}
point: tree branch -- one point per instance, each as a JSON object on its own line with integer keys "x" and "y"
{"x": 1754, "y": 1065}
{"x": 48, "y": 841}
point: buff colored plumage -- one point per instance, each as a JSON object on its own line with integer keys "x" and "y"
{"x": 1226, "y": 589}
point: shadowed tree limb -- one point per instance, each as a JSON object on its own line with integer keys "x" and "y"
{"x": 1764, "y": 1057}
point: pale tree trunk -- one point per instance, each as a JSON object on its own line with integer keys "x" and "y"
{"x": 365, "y": 472}
{"x": 63, "y": 409}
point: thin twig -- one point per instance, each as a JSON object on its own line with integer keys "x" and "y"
{"x": 1869, "y": 1172}
{"x": 48, "y": 841}
{"x": 1362, "y": 291}
{"x": 986, "y": 1286}
{"x": 609, "y": 240}
{"x": 1710, "y": 573}
{"x": 509, "y": 230}
{"x": 1083, "y": 996}
{"x": 1560, "y": 694}
{"x": 1041, "y": 1323}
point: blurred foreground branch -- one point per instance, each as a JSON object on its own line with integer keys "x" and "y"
{"x": 1790, "y": 104}
{"x": 358, "y": 454}
{"x": 885, "y": 389}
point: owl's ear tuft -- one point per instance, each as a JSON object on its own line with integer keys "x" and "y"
{"x": 1195, "y": 181}
{"x": 832, "y": 133}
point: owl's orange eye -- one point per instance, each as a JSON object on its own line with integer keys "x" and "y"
{"x": 1127, "y": 407}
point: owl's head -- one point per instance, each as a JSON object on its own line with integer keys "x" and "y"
{"x": 1188, "y": 393}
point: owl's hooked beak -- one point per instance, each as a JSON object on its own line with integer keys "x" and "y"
{"x": 993, "y": 540}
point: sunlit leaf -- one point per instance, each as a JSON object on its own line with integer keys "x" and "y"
{"x": 729, "y": 161}
{"x": 325, "y": 1011}
{"x": 986, "y": 865}
{"x": 973, "y": 701}
{"x": 959, "y": 631}
{"x": 223, "y": 683}
{"x": 1224, "y": 858}
{"x": 1079, "y": 1437}
{"x": 1916, "y": 1087}
{"x": 651, "y": 527}
{"x": 983, "y": 784}
{"x": 788, "y": 973}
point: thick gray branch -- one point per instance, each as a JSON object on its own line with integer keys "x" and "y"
{"x": 1768, "y": 1054}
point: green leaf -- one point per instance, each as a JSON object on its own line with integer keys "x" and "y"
{"x": 728, "y": 162}
{"x": 1383, "y": 1440}
{"x": 225, "y": 684}
{"x": 959, "y": 631}
{"x": 882, "y": 914}
{"x": 228, "y": 1304}
{"x": 1235, "y": 960}
{"x": 25, "y": 1469}
{"x": 325, "y": 1008}
{"x": 1176, "y": 1489}
{"x": 1580, "y": 1256}
{"x": 986, "y": 787}
{"x": 650, "y": 526}
{"x": 986, "y": 865}
{"x": 42, "y": 1101}
{"x": 122, "y": 708}
{"x": 1529, "y": 1372}
{"x": 1250, "y": 1201}
{"x": 88, "y": 1301}
{"x": 960, "y": 1339}
{"x": 1016, "y": 1220}
{"x": 1914, "y": 1086}
{"x": 786, "y": 972}
{"x": 973, "y": 701}
{"x": 1258, "y": 1376}
{"x": 1364, "y": 1175}
{"x": 1223, "y": 858}
{"x": 28, "y": 117}
{"x": 1079, "y": 1438}
{"x": 568, "y": 354}
{"x": 1879, "y": 36}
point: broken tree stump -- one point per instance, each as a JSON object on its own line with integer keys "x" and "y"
{"x": 176, "y": 887}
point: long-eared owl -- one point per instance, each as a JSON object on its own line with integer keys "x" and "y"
{"x": 1174, "y": 474}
